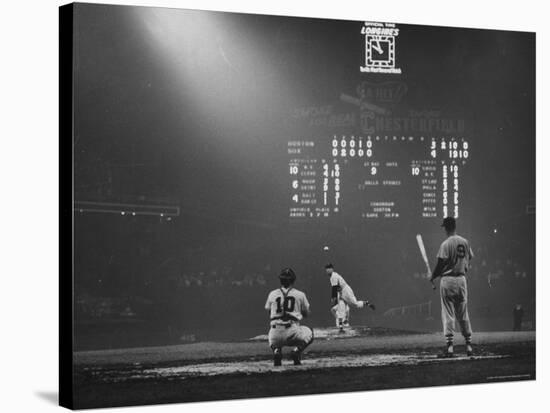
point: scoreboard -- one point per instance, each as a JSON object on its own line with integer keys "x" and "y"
{"x": 376, "y": 177}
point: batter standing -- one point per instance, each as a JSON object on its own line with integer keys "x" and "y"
{"x": 287, "y": 306}
{"x": 453, "y": 261}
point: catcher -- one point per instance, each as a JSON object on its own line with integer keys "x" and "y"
{"x": 287, "y": 307}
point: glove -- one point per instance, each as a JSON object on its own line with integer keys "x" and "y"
{"x": 371, "y": 306}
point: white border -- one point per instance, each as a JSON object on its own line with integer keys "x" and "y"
{"x": 28, "y": 162}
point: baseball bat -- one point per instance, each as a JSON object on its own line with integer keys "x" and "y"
{"x": 424, "y": 255}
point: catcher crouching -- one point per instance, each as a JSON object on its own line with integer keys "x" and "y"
{"x": 287, "y": 307}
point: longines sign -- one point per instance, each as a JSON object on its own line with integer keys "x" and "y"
{"x": 380, "y": 47}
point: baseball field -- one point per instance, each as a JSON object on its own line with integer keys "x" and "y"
{"x": 361, "y": 359}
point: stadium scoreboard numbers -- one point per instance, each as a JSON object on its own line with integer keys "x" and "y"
{"x": 376, "y": 177}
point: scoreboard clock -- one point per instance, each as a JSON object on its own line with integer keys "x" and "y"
{"x": 380, "y": 51}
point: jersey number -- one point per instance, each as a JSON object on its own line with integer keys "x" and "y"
{"x": 461, "y": 251}
{"x": 288, "y": 304}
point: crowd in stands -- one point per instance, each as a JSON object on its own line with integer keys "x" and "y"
{"x": 154, "y": 275}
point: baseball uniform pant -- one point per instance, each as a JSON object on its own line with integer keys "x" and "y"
{"x": 454, "y": 307}
{"x": 349, "y": 297}
{"x": 340, "y": 312}
{"x": 295, "y": 335}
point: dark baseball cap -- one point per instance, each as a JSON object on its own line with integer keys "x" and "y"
{"x": 287, "y": 274}
{"x": 449, "y": 223}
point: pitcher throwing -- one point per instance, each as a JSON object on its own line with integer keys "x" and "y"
{"x": 342, "y": 297}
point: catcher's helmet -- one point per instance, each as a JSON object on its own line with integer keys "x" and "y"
{"x": 287, "y": 276}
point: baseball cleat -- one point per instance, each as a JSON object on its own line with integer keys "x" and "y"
{"x": 448, "y": 352}
{"x": 345, "y": 323}
{"x": 277, "y": 357}
{"x": 296, "y": 357}
{"x": 469, "y": 350}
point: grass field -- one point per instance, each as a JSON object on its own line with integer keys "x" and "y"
{"x": 363, "y": 359}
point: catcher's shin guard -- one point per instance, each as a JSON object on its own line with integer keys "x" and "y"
{"x": 296, "y": 356}
{"x": 277, "y": 357}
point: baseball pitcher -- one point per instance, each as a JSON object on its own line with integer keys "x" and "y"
{"x": 287, "y": 307}
{"x": 342, "y": 298}
{"x": 453, "y": 261}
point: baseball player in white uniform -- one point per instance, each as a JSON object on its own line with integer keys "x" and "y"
{"x": 287, "y": 306}
{"x": 453, "y": 261}
{"x": 342, "y": 297}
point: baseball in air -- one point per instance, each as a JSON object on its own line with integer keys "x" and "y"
{"x": 326, "y": 248}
